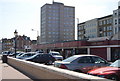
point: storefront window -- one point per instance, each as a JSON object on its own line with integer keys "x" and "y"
{"x": 115, "y": 54}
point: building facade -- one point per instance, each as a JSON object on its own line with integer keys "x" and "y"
{"x": 0, "y": 46}
{"x": 88, "y": 29}
{"x": 7, "y": 44}
{"x": 81, "y": 31}
{"x": 22, "y": 44}
{"x": 98, "y": 27}
{"x": 91, "y": 28}
{"x": 105, "y": 26}
{"x": 116, "y": 19}
{"x": 57, "y": 23}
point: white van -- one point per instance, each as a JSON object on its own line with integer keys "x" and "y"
{"x": 56, "y": 55}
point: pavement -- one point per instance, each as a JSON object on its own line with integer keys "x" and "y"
{"x": 8, "y": 73}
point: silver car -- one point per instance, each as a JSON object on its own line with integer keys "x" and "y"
{"x": 56, "y": 55}
{"x": 26, "y": 55}
{"x": 81, "y": 63}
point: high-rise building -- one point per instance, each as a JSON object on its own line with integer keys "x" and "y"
{"x": 57, "y": 23}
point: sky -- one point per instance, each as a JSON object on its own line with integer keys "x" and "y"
{"x": 24, "y": 15}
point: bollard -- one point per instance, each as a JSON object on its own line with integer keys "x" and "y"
{"x": 4, "y": 59}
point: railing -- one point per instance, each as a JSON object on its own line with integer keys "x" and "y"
{"x": 44, "y": 72}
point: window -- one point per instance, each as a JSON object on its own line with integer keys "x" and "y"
{"x": 100, "y": 29}
{"x": 109, "y": 33}
{"x": 110, "y": 20}
{"x": 104, "y": 28}
{"x": 110, "y": 28}
{"x": 85, "y": 60}
{"x": 119, "y": 28}
{"x": 115, "y": 30}
{"x": 115, "y": 14}
{"x": 104, "y": 33}
{"x": 104, "y": 21}
{"x": 98, "y": 60}
{"x": 115, "y": 22}
{"x": 119, "y": 21}
{"x": 49, "y": 6}
{"x": 119, "y": 13}
{"x": 100, "y": 22}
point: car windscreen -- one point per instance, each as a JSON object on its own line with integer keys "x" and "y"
{"x": 70, "y": 59}
{"x": 116, "y": 64}
{"x": 20, "y": 54}
{"x": 34, "y": 56}
{"x": 55, "y": 54}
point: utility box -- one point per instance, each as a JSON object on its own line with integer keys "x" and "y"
{"x": 4, "y": 59}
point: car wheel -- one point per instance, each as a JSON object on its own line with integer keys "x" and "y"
{"x": 50, "y": 62}
{"x": 113, "y": 77}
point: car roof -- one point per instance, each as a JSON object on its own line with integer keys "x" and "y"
{"x": 31, "y": 52}
{"x": 83, "y": 55}
{"x": 118, "y": 60}
{"x": 53, "y": 52}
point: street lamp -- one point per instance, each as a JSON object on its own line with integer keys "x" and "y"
{"x": 15, "y": 33}
{"x": 37, "y": 34}
{"x": 77, "y": 20}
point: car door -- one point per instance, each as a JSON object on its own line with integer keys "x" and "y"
{"x": 47, "y": 58}
{"x": 86, "y": 63}
{"x": 37, "y": 58}
{"x": 99, "y": 62}
{"x": 83, "y": 64}
{"x": 44, "y": 58}
{"x": 27, "y": 55}
{"x": 24, "y": 56}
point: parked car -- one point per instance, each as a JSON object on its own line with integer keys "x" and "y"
{"x": 13, "y": 54}
{"x": 81, "y": 63}
{"x": 56, "y": 55}
{"x": 6, "y": 52}
{"x": 42, "y": 58}
{"x": 110, "y": 72}
{"x": 39, "y": 51}
{"x": 26, "y": 55}
{"x": 18, "y": 55}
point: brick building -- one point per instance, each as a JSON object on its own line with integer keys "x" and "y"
{"x": 22, "y": 43}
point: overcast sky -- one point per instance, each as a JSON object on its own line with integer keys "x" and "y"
{"x": 24, "y": 15}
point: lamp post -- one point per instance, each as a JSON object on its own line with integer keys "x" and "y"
{"x": 37, "y": 34}
{"x": 15, "y": 33}
{"x": 77, "y": 20}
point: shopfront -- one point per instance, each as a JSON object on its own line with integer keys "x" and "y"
{"x": 115, "y": 53}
